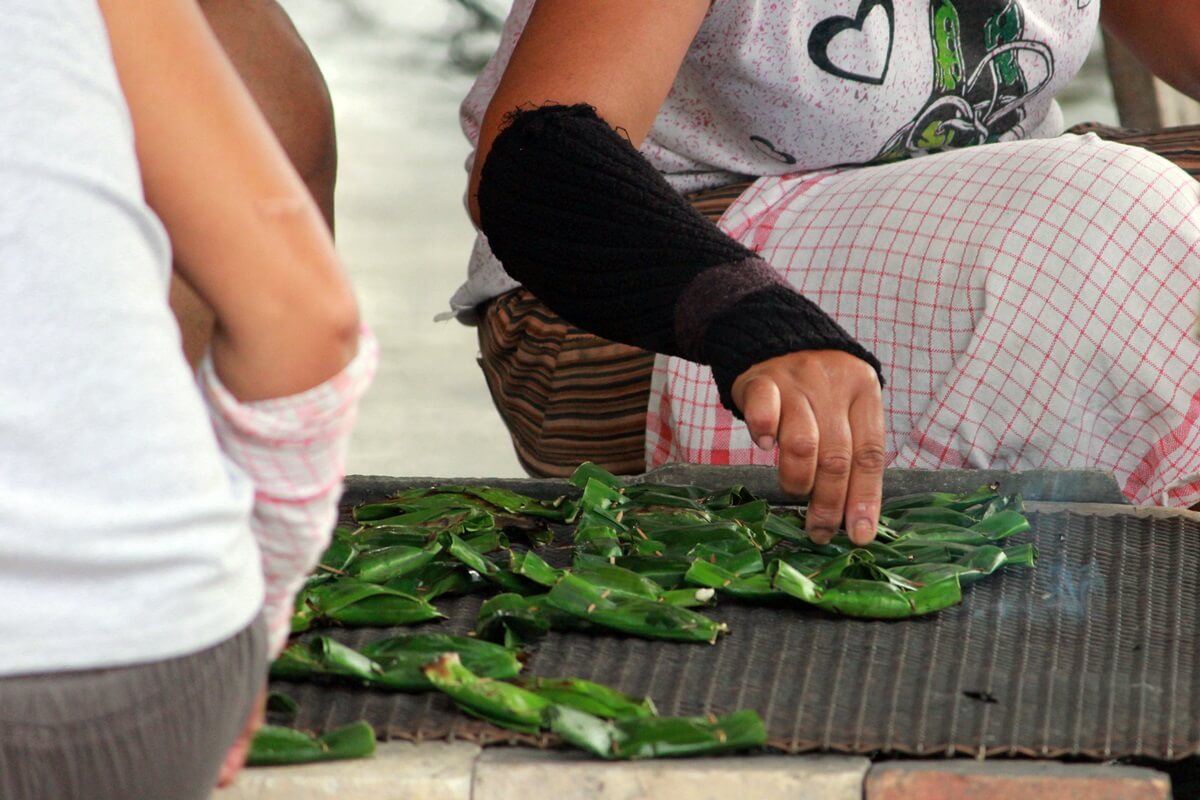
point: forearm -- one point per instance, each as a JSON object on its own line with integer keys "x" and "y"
{"x": 619, "y": 56}
{"x": 1165, "y": 36}
{"x": 576, "y": 214}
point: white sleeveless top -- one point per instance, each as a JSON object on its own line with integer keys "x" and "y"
{"x": 124, "y": 532}
{"x": 770, "y": 87}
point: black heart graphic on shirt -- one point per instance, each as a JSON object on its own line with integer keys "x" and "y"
{"x": 827, "y": 29}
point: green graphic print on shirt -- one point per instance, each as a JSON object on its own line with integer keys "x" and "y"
{"x": 980, "y": 88}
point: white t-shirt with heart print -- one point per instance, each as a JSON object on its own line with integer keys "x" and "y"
{"x": 772, "y": 87}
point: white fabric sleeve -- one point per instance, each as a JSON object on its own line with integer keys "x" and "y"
{"x": 294, "y": 451}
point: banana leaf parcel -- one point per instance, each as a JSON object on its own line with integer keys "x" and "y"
{"x": 627, "y": 559}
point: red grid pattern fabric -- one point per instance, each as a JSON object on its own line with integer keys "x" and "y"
{"x": 1033, "y": 304}
{"x": 293, "y": 449}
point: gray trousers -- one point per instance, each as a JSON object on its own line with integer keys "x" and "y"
{"x": 148, "y": 732}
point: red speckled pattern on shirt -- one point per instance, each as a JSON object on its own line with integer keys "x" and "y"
{"x": 775, "y": 87}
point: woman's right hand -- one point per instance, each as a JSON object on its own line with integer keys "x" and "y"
{"x": 824, "y": 410}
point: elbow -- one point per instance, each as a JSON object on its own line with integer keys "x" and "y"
{"x": 298, "y": 336}
{"x": 344, "y": 327}
{"x": 329, "y": 327}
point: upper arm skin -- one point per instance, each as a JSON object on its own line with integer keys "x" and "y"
{"x": 286, "y": 83}
{"x": 620, "y": 56}
{"x": 1164, "y": 35}
{"x": 247, "y": 235}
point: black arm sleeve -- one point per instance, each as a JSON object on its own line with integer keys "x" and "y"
{"x": 584, "y": 222}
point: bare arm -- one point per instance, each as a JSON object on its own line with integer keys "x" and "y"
{"x": 246, "y": 232}
{"x": 1164, "y": 35}
{"x": 620, "y": 56}
{"x": 822, "y": 407}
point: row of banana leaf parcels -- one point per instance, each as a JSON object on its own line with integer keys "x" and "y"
{"x": 639, "y": 560}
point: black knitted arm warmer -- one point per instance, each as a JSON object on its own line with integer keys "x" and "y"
{"x": 584, "y": 222}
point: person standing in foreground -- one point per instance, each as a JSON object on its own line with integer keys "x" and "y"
{"x": 155, "y": 524}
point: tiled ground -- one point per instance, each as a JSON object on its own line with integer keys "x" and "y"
{"x": 460, "y": 771}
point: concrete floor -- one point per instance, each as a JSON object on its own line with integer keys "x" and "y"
{"x": 403, "y": 234}
{"x": 460, "y": 771}
{"x": 405, "y": 237}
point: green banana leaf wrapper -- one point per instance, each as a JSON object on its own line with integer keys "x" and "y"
{"x": 325, "y": 658}
{"x": 601, "y": 532}
{"x": 588, "y": 471}
{"x": 866, "y": 599}
{"x": 403, "y": 659}
{"x": 557, "y": 510}
{"x": 592, "y": 698}
{"x": 593, "y": 717}
{"x": 465, "y": 498}
{"x": 750, "y": 587}
{"x": 394, "y": 664}
{"x": 503, "y": 704}
{"x": 981, "y": 497}
{"x": 635, "y": 616}
{"x": 972, "y": 567}
{"x": 658, "y": 737}
{"x": 436, "y": 579}
{"x": 375, "y": 537}
{"x": 387, "y": 563}
{"x": 282, "y": 703}
{"x": 339, "y": 554}
{"x": 668, "y": 573}
{"x": 351, "y": 602}
{"x": 275, "y": 746}
{"x": 519, "y": 620}
{"x": 489, "y": 570}
{"x": 646, "y": 553}
{"x": 515, "y": 620}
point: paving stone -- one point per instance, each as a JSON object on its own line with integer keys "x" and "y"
{"x": 516, "y": 774}
{"x": 399, "y": 771}
{"x": 1004, "y": 780}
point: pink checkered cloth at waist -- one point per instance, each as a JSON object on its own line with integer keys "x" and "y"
{"x": 1032, "y": 303}
{"x": 293, "y": 449}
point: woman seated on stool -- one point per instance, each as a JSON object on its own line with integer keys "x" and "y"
{"x": 785, "y": 200}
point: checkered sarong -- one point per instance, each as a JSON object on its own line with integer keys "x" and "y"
{"x": 1032, "y": 303}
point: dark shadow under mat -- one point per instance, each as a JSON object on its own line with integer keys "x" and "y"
{"x": 1094, "y": 653}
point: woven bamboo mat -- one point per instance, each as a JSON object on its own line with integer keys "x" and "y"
{"x": 1095, "y": 653}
